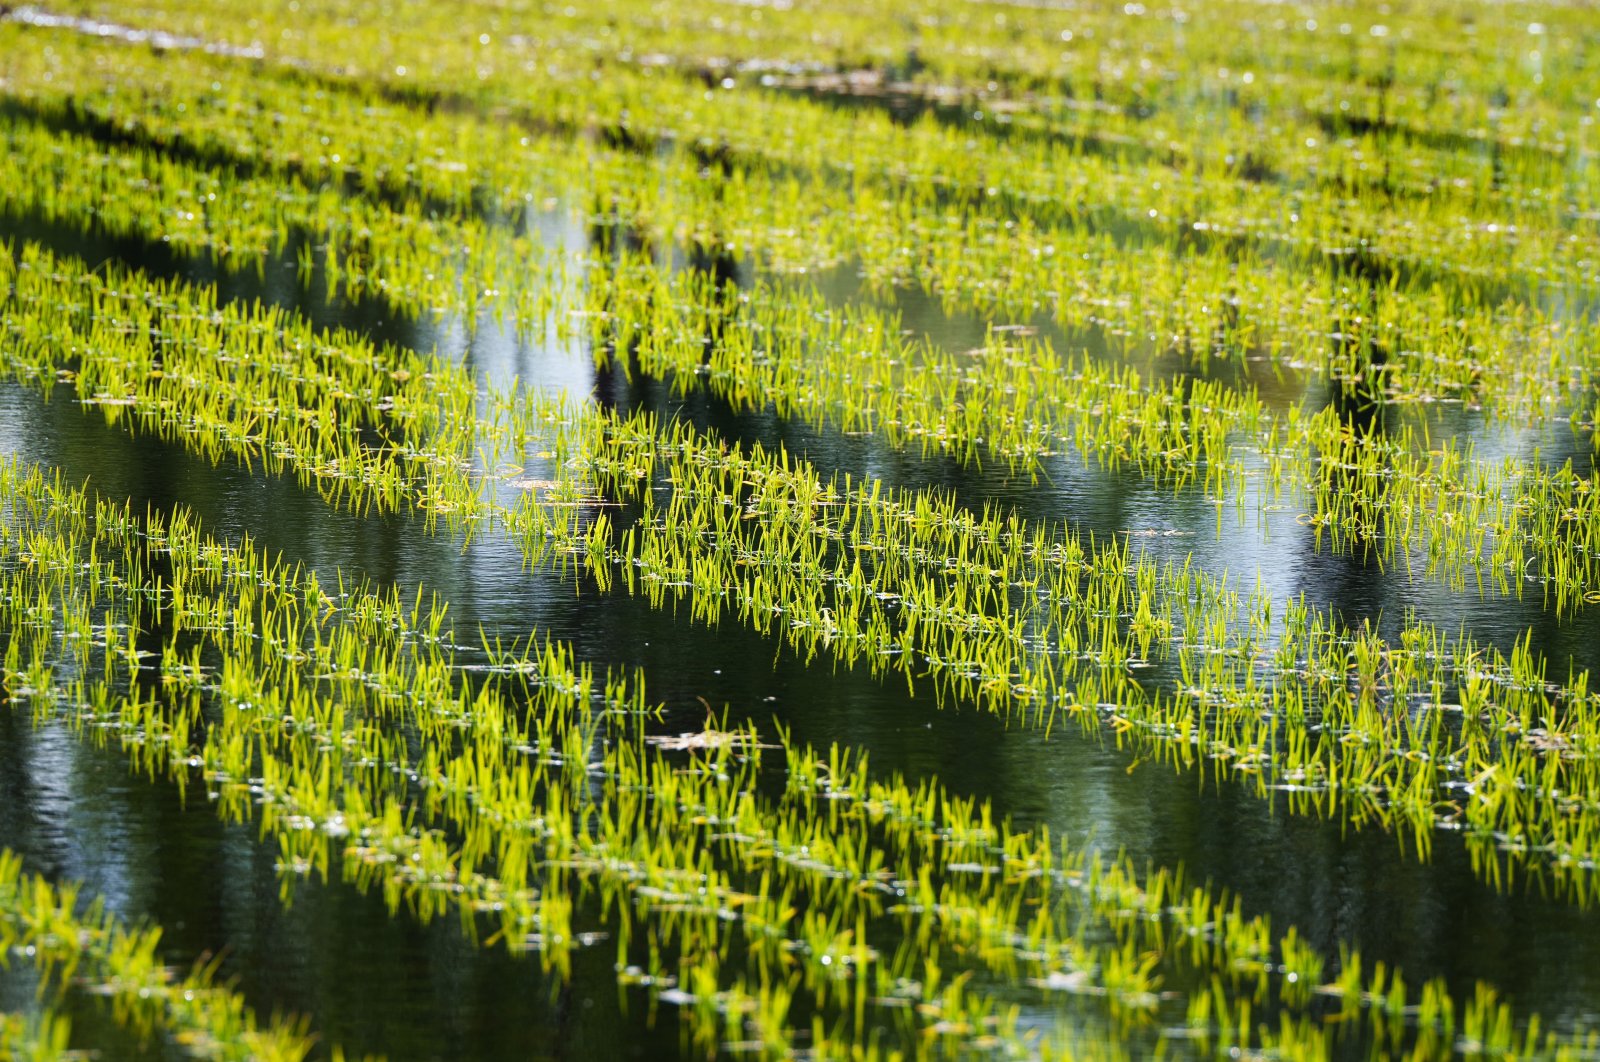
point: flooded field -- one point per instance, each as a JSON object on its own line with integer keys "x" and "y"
{"x": 798, "y": 530}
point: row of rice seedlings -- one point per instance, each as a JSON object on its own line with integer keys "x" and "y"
{"x": 855, "y": 369}
{"x": 1307, "y": 74}
{"x": 1466, "y": 242}
{"x": 947, "y": 631}
{"x": 340, "y": 720}
{"x": 920, "y": 407}
{"x": 1495, "y": 527}
{"x": 1316, "y": 140}
{"x": 1449, "y": 344}
{"x": 419, "y": 263}
{"x": 68, "y": 941}
{"x": 1308, "y": 78}
{"x": 1034, "y": 621}
{"x": 380, "y": 427}
{"x": 1434, "y": 508}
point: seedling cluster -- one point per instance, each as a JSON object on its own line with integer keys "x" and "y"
{"x": 1314, "y": 263}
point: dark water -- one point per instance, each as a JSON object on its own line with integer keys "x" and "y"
{"x": 381, "y": 984}
{"x": 1251, "y": 542}
{"x": 375, "y": 983}
{"x": 370, "y": 981}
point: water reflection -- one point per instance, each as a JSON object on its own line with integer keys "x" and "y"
{"x": 373, "y": 982}
{"x": 1432, "y": 919}
{"x": 383, "y": 984}
{"x": 1248, "y": 539}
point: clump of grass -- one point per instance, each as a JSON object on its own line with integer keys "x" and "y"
{"x": 72, "y": 943}
{"x": 41, "y": 1034}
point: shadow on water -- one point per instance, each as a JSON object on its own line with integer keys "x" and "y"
{"x": 276, "y": 281}
{"x": 217, "y": 884}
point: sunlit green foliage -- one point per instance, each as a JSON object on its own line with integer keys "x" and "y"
{"x": 1245, "y": 252}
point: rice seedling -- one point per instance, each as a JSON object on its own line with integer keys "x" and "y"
{"x": 963, "y": 621}
{"x": 42, "y": 1035}
{"x": 1175, "y": 196}
{"x": 955, "y": 419}
{"x": 68, "y": 943}
{"x": 340, "y": 721}
{"x": 251, "y": 382}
